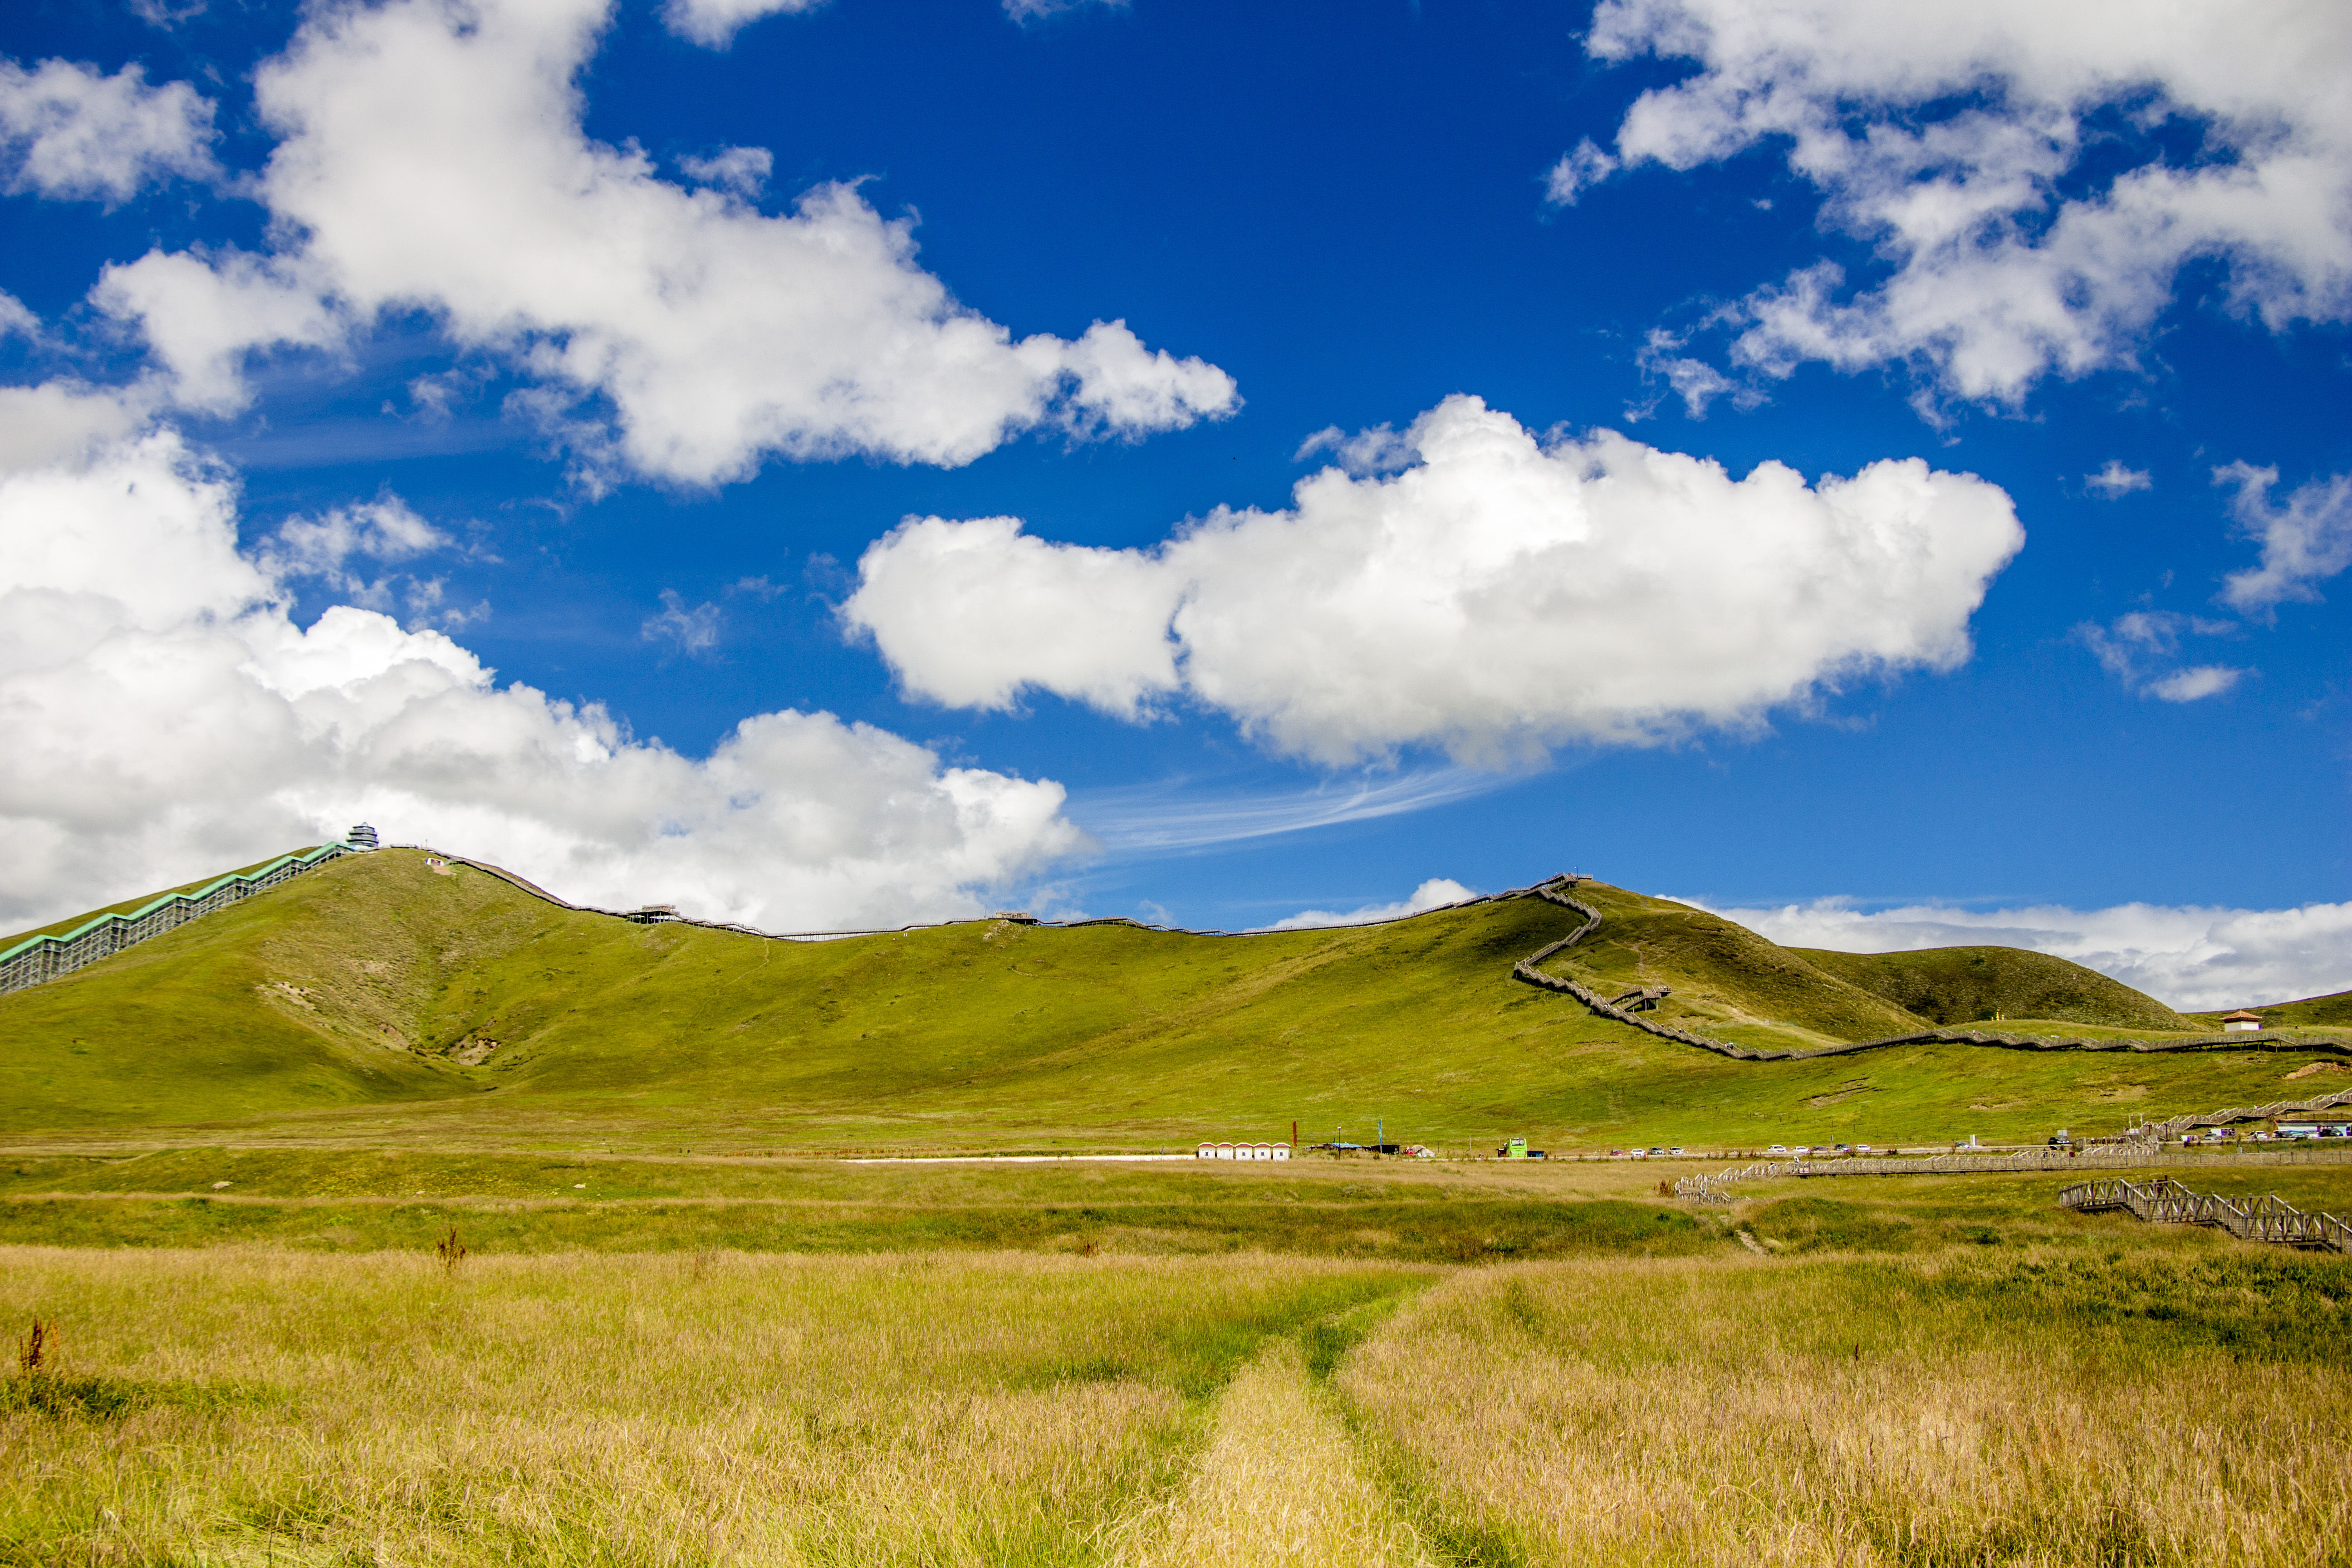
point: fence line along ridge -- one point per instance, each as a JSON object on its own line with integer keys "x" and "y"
{"x": 1528, "y": 970}
{"x": 2128, "y": 1154}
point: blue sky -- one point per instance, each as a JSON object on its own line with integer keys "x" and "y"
{"x": 1906, "y": 477}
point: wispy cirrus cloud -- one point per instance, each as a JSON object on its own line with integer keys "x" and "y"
{"x": 2142, "y": 649}
{"x": 2306, "y": 539}
{"x": 1179, "y": 815}
{"x": 2116, "y": 480}
{"x": 1028, "y": 11}
{"x": 693, "y": 632}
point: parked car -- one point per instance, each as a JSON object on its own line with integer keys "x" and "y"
{"x": 1862, "y": 1148}
{"x": 1780, "y": 1149}
{"x": 1676, "y": 1151}
{"x": 1803, "y": 1150}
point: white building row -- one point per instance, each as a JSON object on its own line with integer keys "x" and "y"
{"x": 1243, "y": 1152}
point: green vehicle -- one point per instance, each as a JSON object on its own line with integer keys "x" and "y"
{"x": 1516, "y": 1149}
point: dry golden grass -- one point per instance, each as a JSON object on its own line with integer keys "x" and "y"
{"x": 1280, "y": 1486}
{"x": 1835, "y": 1413}
{"x": 2178, "y": 1402}
{"x": 250, "y": 1407}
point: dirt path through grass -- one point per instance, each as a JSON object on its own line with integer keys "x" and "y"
{"x": 1280, "y": 1483}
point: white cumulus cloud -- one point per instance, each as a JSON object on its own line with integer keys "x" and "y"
{"x": 1432, "y": 894}
{"x": 972, "y": 612}
{"x": 2191, "y": 958}
{"x": 670, "y": 331}
{"x": 58, "y": 420}
{"x": 203, "y": 310}
{"x": 67, "y": 131}
{"x": 1499, "y": 594}
{"x": 163, "y": 718}
{"x": 1999, "y": 156}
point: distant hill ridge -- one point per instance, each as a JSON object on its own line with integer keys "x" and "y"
{"x": 1936, "y": 986}
{"x": 401, "y": 978}
{"x": 2028, "y": 979}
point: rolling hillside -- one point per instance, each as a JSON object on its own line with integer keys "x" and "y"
{"x": 2331, "y": 1012}
{"x": 1981, "y": 984}
{"x": 384, "y": 1000}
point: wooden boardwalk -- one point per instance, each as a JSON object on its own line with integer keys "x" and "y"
{"x": 2166, "y": 1202}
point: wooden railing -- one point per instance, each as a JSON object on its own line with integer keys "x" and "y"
{"x": 1714, "y": 1188}
{"x": 2165, "y": 1201}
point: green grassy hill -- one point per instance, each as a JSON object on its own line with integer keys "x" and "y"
{"x": 59, "y": 928}
{"x": 1979, "y": 984}
{"x": 2332, "y": 1012}
{"x": 382, "y": 1000}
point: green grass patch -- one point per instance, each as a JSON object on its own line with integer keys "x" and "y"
{"x": 2332, "y": 1012}
{"x": 2265, "y": 1303}
{"x": 115, "y": 1398}
{"x": 1466, "y": 1230}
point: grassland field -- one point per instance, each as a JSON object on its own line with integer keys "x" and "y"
{"x": 394, "y": 1218}
{"x": 727, "y": 1362}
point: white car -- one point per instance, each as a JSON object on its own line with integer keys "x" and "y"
{"x": 1780, "y": 1149}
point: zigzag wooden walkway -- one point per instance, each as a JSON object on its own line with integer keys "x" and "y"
{"x": 2166, "y": 1202}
